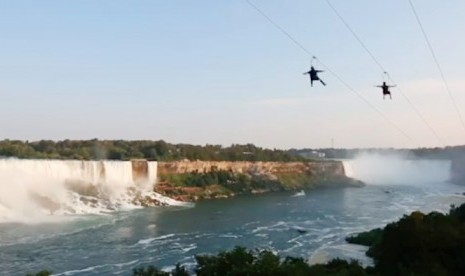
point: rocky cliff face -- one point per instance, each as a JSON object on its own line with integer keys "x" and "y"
{"x": 334, "y": 168}
{"x": 259, "y": 177}
{"x": 140, "y": 170}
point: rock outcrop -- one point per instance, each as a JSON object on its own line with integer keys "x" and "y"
{"x": 257, "y": 177}
{"x": 334, "y": 168}
{"x": 140, "y": 170}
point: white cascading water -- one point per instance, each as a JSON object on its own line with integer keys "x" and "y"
{"x": 395, "y": 169}
{"x": 34, "y": 190}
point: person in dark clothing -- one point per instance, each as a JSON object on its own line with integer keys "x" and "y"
{"x": 385, "y": 88}
{"x": 314, "y": 76}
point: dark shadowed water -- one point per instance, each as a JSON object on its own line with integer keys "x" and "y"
{"x": 116, "y": 243}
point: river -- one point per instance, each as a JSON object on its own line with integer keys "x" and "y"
{"x": 163, "y": 236}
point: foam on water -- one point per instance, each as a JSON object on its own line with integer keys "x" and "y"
{"x": 92, "y": 268}
{"x": 34, "y": 190}
{"x": 147, "y": 241}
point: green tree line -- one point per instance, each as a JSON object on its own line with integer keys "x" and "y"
{"x": 419, "y": 244}
{"x": 243, "y": 262}
{"x": 445, "y": 153}
{"x": 151, "y": 150}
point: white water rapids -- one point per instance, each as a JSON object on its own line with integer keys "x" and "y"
{"x": 38, "y": 190}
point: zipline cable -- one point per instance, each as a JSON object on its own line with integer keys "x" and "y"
{"x": 303, "y": 48}
{"x": 356, "y": 36}
{"x": 366, "y": 101}
{"x": 383, "y": 69}
{"x": 280, "y": 28}
{"x": 423, "y": 119}
{"x": 433, "y": 54}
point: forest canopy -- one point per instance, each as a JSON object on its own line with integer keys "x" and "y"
{"x": 151, "y": 150}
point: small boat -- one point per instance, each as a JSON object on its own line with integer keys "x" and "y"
{"x": 301, "y": 193}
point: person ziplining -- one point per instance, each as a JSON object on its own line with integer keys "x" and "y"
{"x": 313, "y": 73}
{"x": 385, "y": 89}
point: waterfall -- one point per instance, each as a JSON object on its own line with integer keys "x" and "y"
{"x": 34, "y": 189}
{"x": 396, "y": 169}
{"x": 348, "y": 168}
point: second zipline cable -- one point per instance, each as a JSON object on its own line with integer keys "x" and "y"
{"x": 303, "y": 48}
{"x": 383, "y": 69}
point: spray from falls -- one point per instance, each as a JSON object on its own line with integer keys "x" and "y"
{"x": 396, "y": 169}
{"x": 32, "y": 190}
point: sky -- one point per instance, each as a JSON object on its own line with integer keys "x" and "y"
{"x": 217, "y": 72}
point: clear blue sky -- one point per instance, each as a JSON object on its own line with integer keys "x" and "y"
{"x": 217, "y": 72}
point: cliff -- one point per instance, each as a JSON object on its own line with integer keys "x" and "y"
{"x": 180, "y": 167}
{"x": 195, "y": 180}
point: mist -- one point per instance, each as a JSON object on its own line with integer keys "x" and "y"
{"x": 45, "y": 190}
{"x": 396, "y": 169}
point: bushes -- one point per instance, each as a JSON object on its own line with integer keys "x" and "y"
{"x": 196, "y": 179}
{"x": 153, "y": 271}
{"x": 369, "y": 238}
{"x": 419, "y": 244}
{"x": 237, "y": 183}
{"x": 240, "y": 261}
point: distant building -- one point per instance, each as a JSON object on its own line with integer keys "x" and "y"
{"x": 312, "y": 154}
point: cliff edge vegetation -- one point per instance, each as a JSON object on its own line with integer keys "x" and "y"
{"x": 196, "y": 180}
{"x": 143, "y": 149}
{"x": 418, "y": 244}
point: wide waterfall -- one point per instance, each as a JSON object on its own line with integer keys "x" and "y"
{"x": 36, "y": 189}
{"x": 396, "y": 169}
